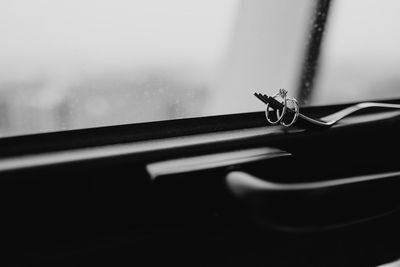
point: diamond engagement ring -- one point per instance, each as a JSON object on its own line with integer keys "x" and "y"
{"x": 308, "y": 122}
{"x": 282, "y": 93}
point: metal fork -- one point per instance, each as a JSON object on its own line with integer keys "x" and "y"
{"x": 329, "y": 120}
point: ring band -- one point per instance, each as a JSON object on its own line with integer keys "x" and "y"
{"x": 283, "y": 94}
{"x": 280, "y": 117}
{"x": 296, "y": 114}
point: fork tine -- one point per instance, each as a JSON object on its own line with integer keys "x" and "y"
{"x": 276, "y": 104}
{"x": 262, "y": 98}
{"x": 266, "y": 98}
{"x": 259, "y": 96}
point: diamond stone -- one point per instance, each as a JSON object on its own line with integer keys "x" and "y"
{"x": 282, "y": 93}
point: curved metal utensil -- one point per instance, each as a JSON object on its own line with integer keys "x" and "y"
{"x": 329, "y": 120}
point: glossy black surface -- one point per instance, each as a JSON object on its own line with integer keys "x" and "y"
{"x": 107, "y": 211}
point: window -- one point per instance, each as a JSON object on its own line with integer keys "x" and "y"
{"x": 360, "y": 57}
{"x": 87, "y": 63}
{"x": 90, "y": 195}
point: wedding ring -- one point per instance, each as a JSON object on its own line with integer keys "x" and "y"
{"x": 296, "y": 114}
{"x": 282, "y": 93}
{"x": 280, "y": 117}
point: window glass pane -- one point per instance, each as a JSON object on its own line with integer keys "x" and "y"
{"x": 361, "y": 52}
{"x": 67, "y": 64}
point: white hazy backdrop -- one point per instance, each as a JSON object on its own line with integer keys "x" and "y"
{"x": 41, "y": 36}
{"x": 68, "y": 64}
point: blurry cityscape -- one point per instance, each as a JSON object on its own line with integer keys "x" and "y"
{"x": 98, "y": 100}
{"x": 89, "y": 63}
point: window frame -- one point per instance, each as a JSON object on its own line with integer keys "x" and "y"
{"x": 115, "y": 193}
{"x": 222, "y": 126}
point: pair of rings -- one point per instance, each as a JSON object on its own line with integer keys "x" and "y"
{"x": 280, "y": 117}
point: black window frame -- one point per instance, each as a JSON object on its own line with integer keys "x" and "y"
{"x": 69, "y": 187}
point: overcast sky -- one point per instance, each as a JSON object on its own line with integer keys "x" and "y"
{"x": 65, "y": 35}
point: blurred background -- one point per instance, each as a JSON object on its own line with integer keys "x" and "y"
{"x": 68, "y": 64}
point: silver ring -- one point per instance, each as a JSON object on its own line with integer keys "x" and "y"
{"x": 296, "y": 114}
{"x": 282, "y": 93}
